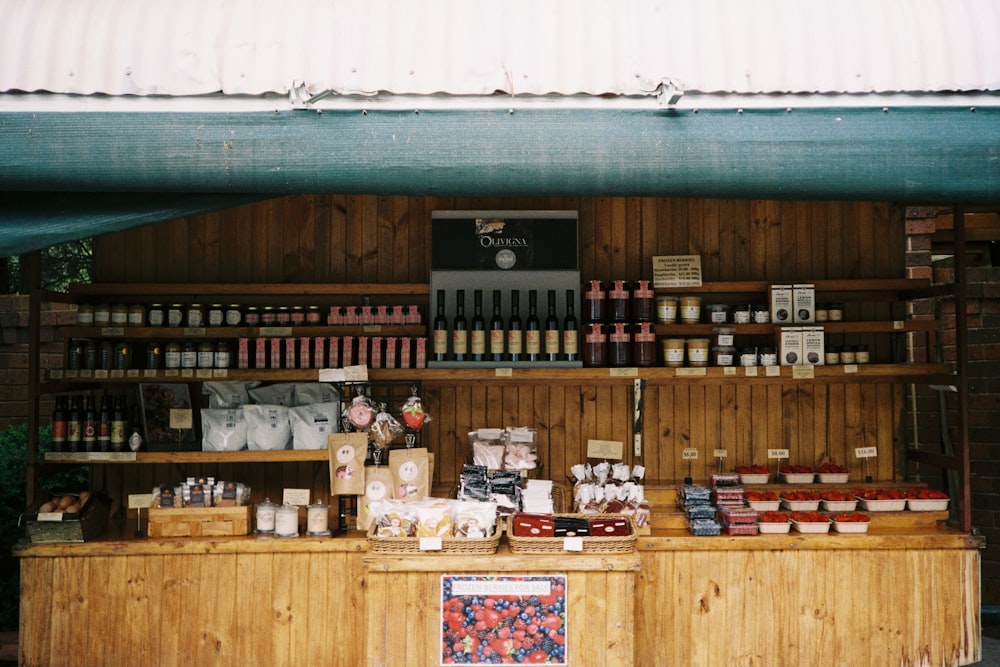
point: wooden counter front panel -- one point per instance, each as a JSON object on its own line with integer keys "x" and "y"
{"x": 209, "y": 609}
{"x": 901, "y": 608}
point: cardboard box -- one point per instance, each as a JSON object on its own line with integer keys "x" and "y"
{"x": 790, "y": 346}
{"x": 814, "y": 346}
{"x": 804, "y": 303}
{"x": 781, "y": 304}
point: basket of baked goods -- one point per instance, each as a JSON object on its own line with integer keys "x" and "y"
{"x": 535, "y": 533}
{"x": 434, "y": 525}
{"x": 67, "y": 517}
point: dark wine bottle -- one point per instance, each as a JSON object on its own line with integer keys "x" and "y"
{"x": 59, "y": 425}
{"x": 89, "y": 426}
{"x": 118, "y": 425}
{"x": 440, "y": 349}
{"x": 477, "y": 332}
{"x": 532, "y": 329}
{"x": 552, "y": 330}
{"x": 104, "y": 426}
{"x": 460, "y": 330}
{"x": 570, "y": 335}
{"x": 74, "y": 426}
{"x": 515, "y": 334}
{"x": 497, "y": 332}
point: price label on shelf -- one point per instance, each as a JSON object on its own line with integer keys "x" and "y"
{"x": 777, "y": 453}
{"x": 689, "y": 454}
{"x": 181, "y": 418}
{"x": 865, "y": 452}
{"x": 720, "y": 453}
{"x": 140, "y": 500}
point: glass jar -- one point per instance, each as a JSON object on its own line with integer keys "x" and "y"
{"x": 119, "y": 315}
{"x": 233, "y": 315}
{"x": 195, "y": 316}
{"x": 847, "y": 354}
{"x": 717, "y": 313}
{"x": 861, "y": 355}
{"x": 821, "y": 314}
{"x": 619, "y": 345}
{"x": 286, "y": 521}
{"x": 666, "y": 309}
{"x": 156, "y": 316}
{"x": 206, "y": 354}
{"x": 835, "y": 312}
{"x": 153, "y": 355}
{"x": 723, "y": 355}
{"x": 222, "y": 355}
{"x": 673, "y": 352}
{"x": 618, "y": 301}
{"x": 313, "y": 316}
{"x": 690, "y": 309}
{"x": 748, "y": 356}
{"x": 594, "y": 301}
{"x": 643, "y": 345}
{"x": 102, "y": 315}
{"x": 252, "y": 316}
{"x": 697, "y": 351}
{"x": 318, "y": 519}
{"x": 265, "y": 516}
{"x": 761, "y": 313}
{"x": 175, "y": 315}
{"x": 137, "y": 315}
{"x": 85, "y": 315}
{"x": 284, "y": 316}
{"x": 298, "y": 316}
{"x": 831, "y": 355}
{"x": 642, "y": 301}
{"x": 768, "y": 356}
{"x": 172, "y": 355}
{"x": 595, "y": 346}
{"x": 216, "y": 315}
{"x": 742, "y": 313}
{"x": 269, "y": 316}
{"x": 189, "y": 355}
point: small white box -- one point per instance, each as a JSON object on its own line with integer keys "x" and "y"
{"x": 804, "y": 303}
{"x": 813, "y": 346}
{"x": 791, "y": 346}
{"x": 781, "y": 304}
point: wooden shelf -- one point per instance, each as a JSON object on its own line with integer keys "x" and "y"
{"x": 243, "y": 456}
{"x": 866, "y": 287}
{"x": 887, "y": 326}
{"x": 207, "y": 333}
{"x": 197, "y": 291}
{"x": 941, "y": 373}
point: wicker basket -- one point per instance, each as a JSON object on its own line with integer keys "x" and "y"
{"x": 591, "y": 545}
{"x": 449, "y": 545}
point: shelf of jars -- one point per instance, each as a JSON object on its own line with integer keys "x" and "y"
{"x": 243, "y": 456}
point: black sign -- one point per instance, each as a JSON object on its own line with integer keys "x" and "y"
{"x": 504, "y": 240}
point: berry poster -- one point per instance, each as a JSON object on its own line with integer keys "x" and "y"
{"x": 503, "y": 620}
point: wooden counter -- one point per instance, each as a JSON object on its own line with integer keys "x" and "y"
{"x": 893, "y": 597}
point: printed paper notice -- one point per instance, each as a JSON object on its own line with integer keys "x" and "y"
{"x": 677, "y": 271}
{"x": 605, "y": 449}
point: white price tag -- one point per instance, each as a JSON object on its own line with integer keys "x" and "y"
{"x": 605, "y": 449}
{"x": 140, "y": 500}
{"x": 299, "y": 497}
{"x": 430, "y": 544}
{"x": 777, "y": 453}
{"x": 572, "y": 544}
{"x": 865, "y": 452}
{"x": 689, "y": 454}
{"x": 720, "y": 453}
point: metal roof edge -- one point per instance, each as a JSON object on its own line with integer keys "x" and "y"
{"x": 219, "y": 103}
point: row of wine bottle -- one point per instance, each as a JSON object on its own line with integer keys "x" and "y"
{"x": 80, "y": 425}
{"x": 505, "y": 340}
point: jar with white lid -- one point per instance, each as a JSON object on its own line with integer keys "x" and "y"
{"x": 286, "y": 521}
{"x": 318, "y": 519}
{"x": 265, "y": 516}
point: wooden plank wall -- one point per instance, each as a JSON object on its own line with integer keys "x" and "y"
{"x": 338, "y": 238}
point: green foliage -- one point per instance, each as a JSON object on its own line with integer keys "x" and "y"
{"x": 62, "y": 265}
{"x": 13, "y": 491}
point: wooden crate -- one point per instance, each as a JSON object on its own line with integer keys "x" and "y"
{"x": 199, "y": 521}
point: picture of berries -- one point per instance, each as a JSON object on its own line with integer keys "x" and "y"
{"x": 503, "y": 620}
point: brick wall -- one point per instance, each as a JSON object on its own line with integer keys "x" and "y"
{"x": 14, "y": 353}
{"x": 983, "y": 344}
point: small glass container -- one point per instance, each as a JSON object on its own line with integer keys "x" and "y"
{"x": 156, "y": 316}
{"x": 595, "y": 298}
{"x": 673, "y": 352}
{"x": 761, "y": 313}
{"x": 298, "y": 316}
{"x": 252, "y": 316}
{"x": 175, "y": 315}
{"x": 724, "y": 336}
{"x": 690, "y": 309}
{"x": 119, "y": 315}
{"x": 748, "y": 356}
{"x": 269, "y": 316}
{"x": 284, "y": 316}
{"x": 697, "y": 351}
{"x": 835, "y": 312}
{"x": 234, "y": 316}
{"x": 643, "y": 345}
{"x": 821, "y": 314}
{"x": 195, "y": 316}
{"x": 154, "y": 356}
{"x": 172, "y": 355}
{"x": 717, "y": 313}
{"x": 742, "y": 313}
{"x": 831, "y": 355}
{"x": 595, "y": 346}
{"x": 102, "y": 315}
{"x": 85, "y": 315}
{"x": 137, "y": 315}
{"x": 206, "y": 354}
{"x": 189, "y": 355}
{"x": 286, "y": 521}
{"x": 723, "y": 355}
{"x": 642, "y": 301}
{"x": 318, "y": 520}
{"x": 848, "y": 354}
{"x": 619, "y": 345}
{"x": 123, "y": 355}
{"x": 266, "y": 512}
{"x": 221, "y": 357}
{"x": 666, "y": 309}
{"x": 314, "y": 316}
{"x": 768, "y": 356}
{"x": 216, "y": 315}
{"x": 861, "y": 355}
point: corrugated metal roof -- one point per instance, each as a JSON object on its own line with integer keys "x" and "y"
{"x": 516, "y": 47}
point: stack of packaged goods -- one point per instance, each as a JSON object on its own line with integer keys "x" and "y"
{"x": 696, "y": 502}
